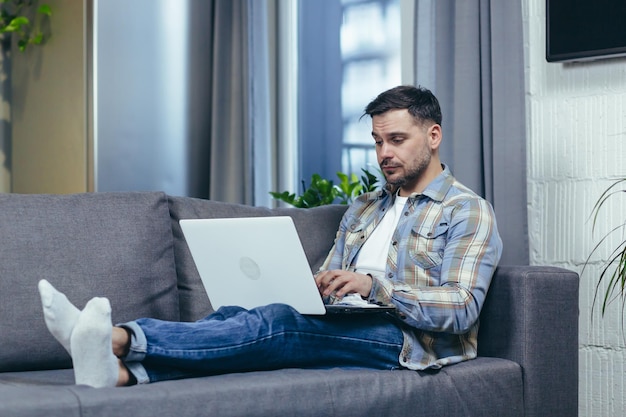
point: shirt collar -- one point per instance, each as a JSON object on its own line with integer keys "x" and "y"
{"x": 436, "y": 190}
{"x": 439, "y": 187}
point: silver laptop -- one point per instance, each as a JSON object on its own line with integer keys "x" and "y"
{"x": 255, "y": 261}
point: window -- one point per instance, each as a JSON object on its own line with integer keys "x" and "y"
{"x": 348, "y": 52}
{"x": 370, "y": 54}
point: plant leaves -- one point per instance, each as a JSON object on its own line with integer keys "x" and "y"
{"x": 348, "y": 187}
{"x": 37, "y": 39}
{"x": 322, "y": 191}
{"x": 45, "y": 9}
{"x": 616, "y": 277}
{"x": 369, "y": 180}
{"x": 15, "y": 25}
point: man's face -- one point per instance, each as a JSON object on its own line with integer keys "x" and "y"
{"x": 403, "y": 148}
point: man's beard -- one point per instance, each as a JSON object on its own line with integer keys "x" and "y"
{"x": 412, "y": 174}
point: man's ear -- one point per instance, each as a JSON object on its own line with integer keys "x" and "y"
{"x": 434, "y": 136}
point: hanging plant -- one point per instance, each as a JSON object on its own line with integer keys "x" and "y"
{"x": 24, "y": 19}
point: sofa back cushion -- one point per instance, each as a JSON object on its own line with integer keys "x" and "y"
{"x": 316, "y": 227}
{"x": 116, "y": 245}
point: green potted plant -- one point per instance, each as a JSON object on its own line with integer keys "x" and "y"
{"x": 614, "y": 268}
{"x": 322, "y": 191}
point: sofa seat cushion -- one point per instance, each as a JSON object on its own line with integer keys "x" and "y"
{"x": 481, "y": 387}
{"x": 116, "y": 245}
{"x": 35, "y": 401}
{"x": 317, "y": 228}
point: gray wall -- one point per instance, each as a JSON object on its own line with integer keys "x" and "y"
{"x": 48, "y": 108}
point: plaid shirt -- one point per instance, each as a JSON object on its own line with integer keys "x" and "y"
{"x": 441, "y": 259}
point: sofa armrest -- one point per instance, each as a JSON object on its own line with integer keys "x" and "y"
{"x": 530, "y": 316}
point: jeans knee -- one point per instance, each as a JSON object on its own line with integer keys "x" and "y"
{"x": 277, "y": 311}
{"x": 224, "y": 313}
{"x": 280, "y": 316}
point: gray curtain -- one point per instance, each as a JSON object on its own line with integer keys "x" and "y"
{"x": 239, "y": 146}
{"x": 470, "y": 54}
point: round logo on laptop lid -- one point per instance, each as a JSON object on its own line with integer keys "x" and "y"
{"x": 249, "y": 268}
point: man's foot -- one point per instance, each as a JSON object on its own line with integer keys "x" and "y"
{"x": 94, "y": 362}
{"x": 60, "y": 315}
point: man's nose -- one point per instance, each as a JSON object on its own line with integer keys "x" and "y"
{"x": 384, "y": 151}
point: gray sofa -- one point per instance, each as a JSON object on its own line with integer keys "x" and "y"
{"x": 129, "y": 247}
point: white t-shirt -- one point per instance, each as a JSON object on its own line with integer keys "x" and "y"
{"x": 372, "y": 257}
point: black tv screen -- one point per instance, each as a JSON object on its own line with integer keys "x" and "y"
{"x": 579, "y": 30}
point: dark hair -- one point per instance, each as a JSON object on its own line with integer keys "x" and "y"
{"x": 419, "y": 101}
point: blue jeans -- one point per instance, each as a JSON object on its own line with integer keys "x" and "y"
{"x": 276, "y": 336}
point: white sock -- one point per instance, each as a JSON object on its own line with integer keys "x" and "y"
{"x": 94, "y": 362}
{"x": 60, "y": 315}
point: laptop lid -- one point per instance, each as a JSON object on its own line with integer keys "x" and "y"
{"x": 251, "y": 262}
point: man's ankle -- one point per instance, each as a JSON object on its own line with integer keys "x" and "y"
{"x": 121, "y": 341}
{"x": 125, "y": 378}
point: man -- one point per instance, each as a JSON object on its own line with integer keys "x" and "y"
{"x": 424, "y": 243}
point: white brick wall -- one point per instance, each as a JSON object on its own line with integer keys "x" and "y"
{"x": 577, "y": 148}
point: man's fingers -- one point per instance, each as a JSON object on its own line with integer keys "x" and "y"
{"x": 324, "y": 278}
{"x": 345, "y": 288}
{"x": 340, "y": 284}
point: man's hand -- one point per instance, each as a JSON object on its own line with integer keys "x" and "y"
{"x": 343, "y": 282}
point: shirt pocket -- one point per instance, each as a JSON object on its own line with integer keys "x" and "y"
{"x": 427, "y": 243}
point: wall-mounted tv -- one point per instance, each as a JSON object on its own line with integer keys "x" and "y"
{"x": 578, "y": 30}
